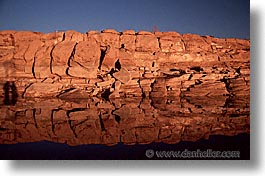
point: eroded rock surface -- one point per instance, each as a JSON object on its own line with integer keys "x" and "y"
{"x": 156, "y": 64}
{"x": 130, "y": 87}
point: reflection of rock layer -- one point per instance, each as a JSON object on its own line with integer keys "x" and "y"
{"x": 129, "y": 120}
{"x": 139, "y": 87}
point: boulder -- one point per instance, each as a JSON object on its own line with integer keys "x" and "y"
{"x": 147, "y": 43}
{"x": 123, "y": 75}
{"x": 42, "y": 62}
{"x": 87, "y": 55}
{"x": 81, "y": 72}
{"x": 110, "y": 39}
{"x": 74, "y": 36}
{"x": 127, "y": 41}
{"x": 61, "y": 55}
{"x": 195, "y": 43}
{"x": 43, "y": 90}
{"x": 30, "y": 54}
{"x": 110, "y": 58}
{"x": 128, "y": 32}
{"x": 171, "y": 42}
{"x": 110, "y": 31}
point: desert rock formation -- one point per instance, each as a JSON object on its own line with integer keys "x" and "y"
{"x": 108, "y": 87}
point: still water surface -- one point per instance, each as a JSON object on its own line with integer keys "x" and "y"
{"x": 122, "y": 129}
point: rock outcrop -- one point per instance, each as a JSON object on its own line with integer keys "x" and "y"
{"x": 153, "y": 64}
{"x": 131, "y": 87}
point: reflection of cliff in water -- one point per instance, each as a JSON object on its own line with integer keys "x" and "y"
{"x": 129, "y": 87}
{"x": 126, "y": 120}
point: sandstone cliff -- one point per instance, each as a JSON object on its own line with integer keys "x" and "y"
{"x": 138, "y": 87}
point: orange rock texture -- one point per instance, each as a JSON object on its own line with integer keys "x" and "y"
{"x": 133, "y": 87}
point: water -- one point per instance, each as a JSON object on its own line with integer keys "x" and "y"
{"x": 123, "y": 128}
{"x": 49, "y": 150}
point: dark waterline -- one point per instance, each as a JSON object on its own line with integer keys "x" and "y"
{"x": 53, "y": 151}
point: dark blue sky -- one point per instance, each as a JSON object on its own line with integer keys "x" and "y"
{"x": 220, "y": 18}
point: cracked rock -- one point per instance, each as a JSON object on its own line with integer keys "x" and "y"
{"x": 158, "y": 65}
{"x": 123, "y": 75}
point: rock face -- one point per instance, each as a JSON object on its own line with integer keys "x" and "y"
{"x": 158, "y": 64}
{"x": 136, "y": 79}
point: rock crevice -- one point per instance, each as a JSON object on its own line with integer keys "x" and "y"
{"x": 125, "y": 64}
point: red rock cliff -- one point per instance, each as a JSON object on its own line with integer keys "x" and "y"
{"x": 138, "y": 87}
{"x": 126, "y": 63}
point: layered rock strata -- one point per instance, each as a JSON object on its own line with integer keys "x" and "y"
{"x": 168, "y": 81}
